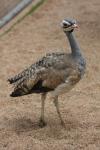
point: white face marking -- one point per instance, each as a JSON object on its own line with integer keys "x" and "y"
{"x": 66, "y": 22}
{"x": 68, "y": 29}
{"x": 68, "y": 25}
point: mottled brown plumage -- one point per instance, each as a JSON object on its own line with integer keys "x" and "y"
{"x": 56, "y": 72}
{"x": 52, "y": 70}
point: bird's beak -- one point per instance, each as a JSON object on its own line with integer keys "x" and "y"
{"x": 75, "y": 26}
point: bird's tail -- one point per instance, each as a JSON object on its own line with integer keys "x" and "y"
{"x": 14, "y": 79}
{"x": 17, "y": 93}
{"x": 18, "y": 76}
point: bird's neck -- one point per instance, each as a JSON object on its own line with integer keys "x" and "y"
{"x": 73, "y": 43}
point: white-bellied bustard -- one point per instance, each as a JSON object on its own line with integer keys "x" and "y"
{"x": 55, "y": 72}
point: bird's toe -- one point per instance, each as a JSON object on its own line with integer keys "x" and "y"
{"x": 42, "y": 123}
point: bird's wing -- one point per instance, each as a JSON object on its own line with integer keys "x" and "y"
{"x": 47, "y": 61}
{"x": 50, "y": 71}
{"x": 23, "y": 75}
{"x": 25, "y": 85}
{"x": 44, "y": 78}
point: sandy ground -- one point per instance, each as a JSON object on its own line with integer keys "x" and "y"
{"x": 36, "y": 35}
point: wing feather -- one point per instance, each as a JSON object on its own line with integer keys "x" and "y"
{"x": 50, "y": 71}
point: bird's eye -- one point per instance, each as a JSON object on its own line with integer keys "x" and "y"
{"x": 65, "y": 24}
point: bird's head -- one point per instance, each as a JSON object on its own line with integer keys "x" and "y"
{"x": 69, "y": 25}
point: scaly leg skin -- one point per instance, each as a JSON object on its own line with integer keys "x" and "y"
{"x": 58, "y": 111}
{"x": 61, "y": 89}
{"x": 42, "y": 122}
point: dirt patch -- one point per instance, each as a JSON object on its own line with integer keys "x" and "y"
{"x": 36, "y": 35}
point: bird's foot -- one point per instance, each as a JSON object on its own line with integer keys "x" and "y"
{"x": 42, "y": 123}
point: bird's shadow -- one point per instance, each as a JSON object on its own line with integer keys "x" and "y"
{"x": 28, "y": 127}
{"x": 23, "y": 124}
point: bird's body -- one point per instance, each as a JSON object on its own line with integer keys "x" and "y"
{"x": 56, "y": 72}
{"x": 47, "y": 74}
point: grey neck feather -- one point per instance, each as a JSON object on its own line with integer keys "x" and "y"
{"x": 73, "y": 43}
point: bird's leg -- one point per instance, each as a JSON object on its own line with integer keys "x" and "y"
{"x": 58, "y": 111}
{"x": 42, "y": 123}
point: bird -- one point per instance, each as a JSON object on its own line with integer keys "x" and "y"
{"x": 56, "y": 72}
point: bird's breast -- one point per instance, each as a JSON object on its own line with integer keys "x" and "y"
{"x": 82, "y": 67}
